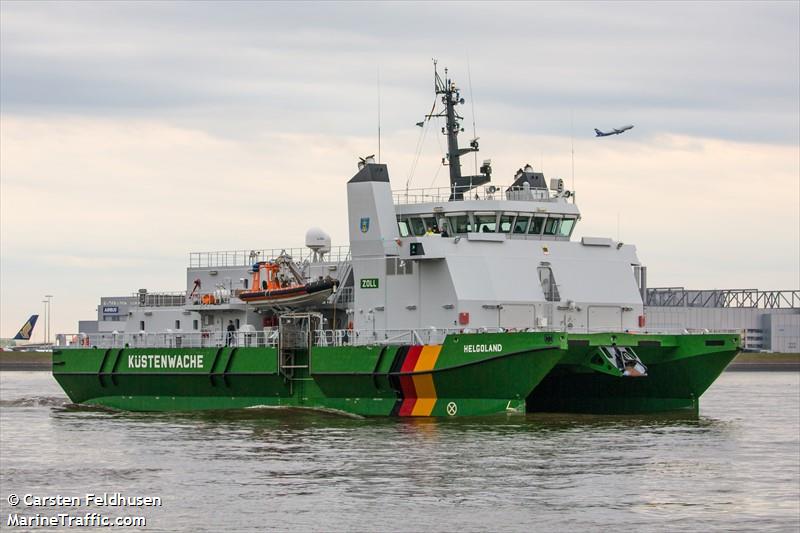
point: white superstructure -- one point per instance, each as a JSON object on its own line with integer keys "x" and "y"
{"x": 503, "y": 259}
{"x": 470, "y": 256}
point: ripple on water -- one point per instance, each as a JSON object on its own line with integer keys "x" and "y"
{"x": 736, "y": 466}
{"x": 36, "y": 401}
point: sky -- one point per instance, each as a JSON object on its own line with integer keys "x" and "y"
{"x": 134, "y": 133}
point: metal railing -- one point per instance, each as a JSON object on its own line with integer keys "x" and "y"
{"x": 438, "y": 335}
{"x": 182, "y": 299}
{"x": 343, "y": 296}
{"x": 347, "y": 337}
{"x": 661, "y": 331}
{"x": 341, "y": 337}
{"x": 204, "y": 339}
{"x": 236, "y": 258}
{"x": 483, "y": 192}
{"x": 723, "y": 298}
{"x": 160, "y": 299}
{"x": 217, "y": 297}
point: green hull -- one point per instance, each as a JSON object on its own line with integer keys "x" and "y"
{"x": 680, "y": 369}
{"x": 469, "y": 374}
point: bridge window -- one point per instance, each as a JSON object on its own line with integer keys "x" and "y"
{"x": 430, "y": 225}
{"x": 521, "y": 224}
{"x": 177, "y": 324}
{"x": 402, "y": 225}
{"x": 444, "y": 225}
{"x": 460, "y": 223}
{"x": 506, "y": 222}
{"x": 486, "y": 223}
{"x": 536, "y": 226}
{"x": 417, "y": 226}
{"x": 195, "y": 324}
{"x": 551, "y": 226}
{"x": 566, "y": 227}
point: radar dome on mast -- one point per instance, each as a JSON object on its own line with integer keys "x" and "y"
{"x": 318, "y": 241}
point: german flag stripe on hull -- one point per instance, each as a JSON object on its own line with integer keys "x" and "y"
{"x": 411, "y": 376}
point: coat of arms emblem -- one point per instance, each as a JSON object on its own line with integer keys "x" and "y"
{"x": 364, "y": 224}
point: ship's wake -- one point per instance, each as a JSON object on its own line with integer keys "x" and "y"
{"x": 36, "y": 401}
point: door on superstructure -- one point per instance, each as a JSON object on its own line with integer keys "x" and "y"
{"x": 402, "y": 301}
{"x": 604, "y": 318}
{"x": 516, "y": 316}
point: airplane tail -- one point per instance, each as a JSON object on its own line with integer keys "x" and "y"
{"x": 26, "y": 331}
{"x": 598, "y": 133}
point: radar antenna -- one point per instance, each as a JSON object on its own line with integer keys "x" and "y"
{"x": 451, "y": 97}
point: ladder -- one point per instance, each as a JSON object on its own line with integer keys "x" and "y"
{"x": 294, "y": 342}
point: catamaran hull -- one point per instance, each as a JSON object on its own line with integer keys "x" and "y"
{"x": 680, "y": 368}
{"x": 467, "y": 375}
{"x": 470, "y": 374}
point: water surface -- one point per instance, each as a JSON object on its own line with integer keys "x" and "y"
{"x": 737, "y": 466}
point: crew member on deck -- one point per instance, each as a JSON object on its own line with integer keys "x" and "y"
{"x": 229, "y": 338}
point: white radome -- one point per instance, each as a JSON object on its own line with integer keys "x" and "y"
{"x": 318, "y": 241}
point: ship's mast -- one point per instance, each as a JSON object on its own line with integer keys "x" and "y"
{"x": 451, "y": 97}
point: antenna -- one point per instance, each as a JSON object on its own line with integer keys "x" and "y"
{"x": 450, "y": 95}
{"x": 423, "y": 125}
{"x": 472, "y": 104}
{"x": 572, "y": 148}
{"x": 379, "y": 114}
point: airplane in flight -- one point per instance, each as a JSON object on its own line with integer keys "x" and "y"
{"x": 615, "y": 131}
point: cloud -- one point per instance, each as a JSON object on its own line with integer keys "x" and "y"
{"x": 103, "y": 207}
{"x": 700, "y": 69}
{"x": 131, "y": 134}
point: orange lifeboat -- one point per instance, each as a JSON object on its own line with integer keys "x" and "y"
{"x": 277, "y": 284}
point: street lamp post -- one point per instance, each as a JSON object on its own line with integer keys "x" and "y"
{"x": 48, "y": 317}
{"x": 44, "y": 329}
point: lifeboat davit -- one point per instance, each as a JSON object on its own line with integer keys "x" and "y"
{"x": 279, "y": 284}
